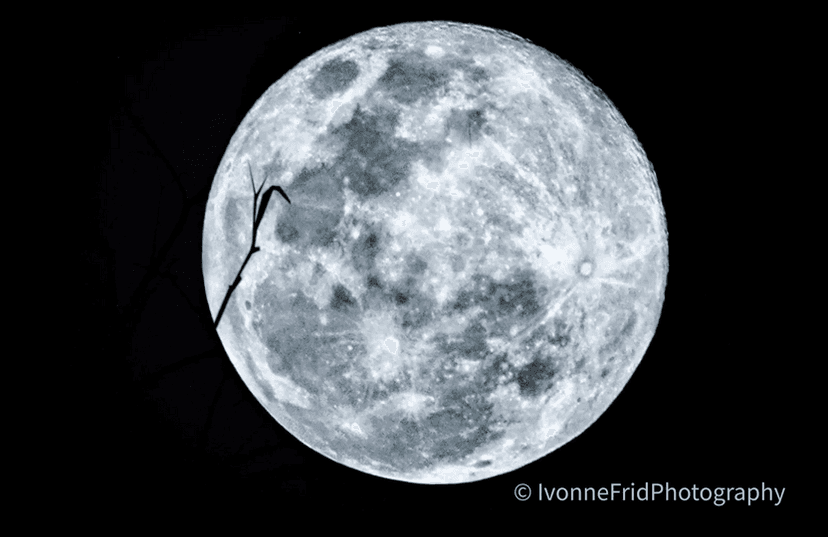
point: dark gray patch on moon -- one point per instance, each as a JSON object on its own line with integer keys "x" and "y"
{"x": 475, "y": 74}
{"x": 288, "y": 231}
{"x": 470, "y": 296}
{"x": 433, "y": 156}
{"x": 626, "y": 331}
{"x": 558, "y": 335}
{"x": 469, "y": 344}
{"x": 414, "y": 77}
{"x": 516, "y": 297}
{"x": 416, "y": 309}
{"x": 273, "y": 168}
{"x": 310, "y": 226}
{"x": 342, "y": 299}
{"x": 335, "y": 76}
{"x": 536, "y": 377}
{"x": 373, "y": 283}
{"x": 399, "y": 443}
{"x": 373, "y": 159}
{"x": 505, "y": 303}
{"x": 458, "y": 263}
{"x": 415, "y": 264}
{"x": 465, "y": 125}
{"x": 464, "y": 423}
{"x": 623, "y": 334}
{"x": 306, "y": 351}
{"x": 300, "y": 356}
{"x": 316, "y": 209}
{"x": 365, "y": 249}
{"x": 232, "y": 220}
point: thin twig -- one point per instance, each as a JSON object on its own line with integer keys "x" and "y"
{"x": 257, "y": 218}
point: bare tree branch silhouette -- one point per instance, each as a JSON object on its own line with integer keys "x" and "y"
{"x": 257, "y": 219}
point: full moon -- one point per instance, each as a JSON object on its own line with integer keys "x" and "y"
{"x": 472, "y": 265}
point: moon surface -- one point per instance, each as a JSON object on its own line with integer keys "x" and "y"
{"x": 473, "y": 263}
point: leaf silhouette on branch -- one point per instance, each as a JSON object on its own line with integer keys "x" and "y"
{"x": 257, "y": 219}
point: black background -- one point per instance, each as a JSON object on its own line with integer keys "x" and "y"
{"x": 712, "y": 404}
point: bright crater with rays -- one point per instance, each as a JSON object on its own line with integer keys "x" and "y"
{"x": 473, "y": 263}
